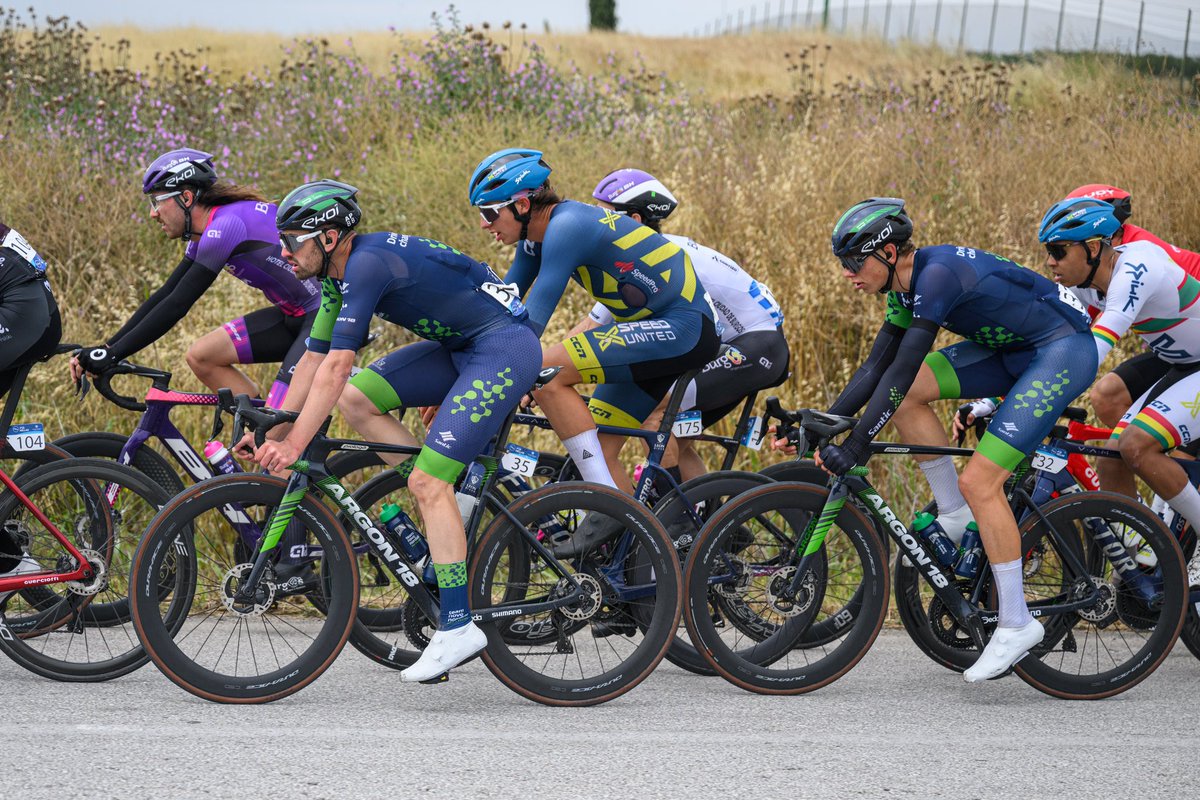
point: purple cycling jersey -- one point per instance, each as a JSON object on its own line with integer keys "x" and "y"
{"x": 241, "y": 238}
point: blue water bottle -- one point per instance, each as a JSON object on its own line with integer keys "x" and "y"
{"x": 930, "y": 530}
{"x": 414, "y": 544}
{"x": 972, "y": 552}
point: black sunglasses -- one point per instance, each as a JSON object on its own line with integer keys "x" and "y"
{"x": 491, "y": 213}
{"x": 1058, "y": 250}
{"x": 853, "y": 263}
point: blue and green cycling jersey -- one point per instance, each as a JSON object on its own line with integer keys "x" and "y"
{"x": 985, "y": 298}
{"x": 428, "y": 287}
{"x": 635, "y": 272}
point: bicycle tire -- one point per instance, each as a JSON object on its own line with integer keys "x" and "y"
{"x": 63, "y": 642}
{"x": 386, "y": 630}
{"x": 103, "y": 444}
{"x": 774, "y": 664}
{"x": 1146, "y": 631}
{"x": 193, "y": 530}
{"x": 626, "y": 658}
{"x": 709, "y": 492}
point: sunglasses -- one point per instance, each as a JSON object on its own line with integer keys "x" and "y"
{"x": 853, "y": 264}
{"x": 156, "y": 199}
{"x": 491, "y": 213}
{"x": 292, "y": 241}
{"x": 1058, "y": 250}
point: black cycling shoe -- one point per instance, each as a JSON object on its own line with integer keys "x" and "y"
{"x": 594, "y": 531}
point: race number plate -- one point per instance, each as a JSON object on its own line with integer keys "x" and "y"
{"x": 519, "y": 461}
{"x": 1047, "y": 460}
{"x": 26, "y": 437}
{"x": 754, "y": 434}
{"x": 687, "y": 424}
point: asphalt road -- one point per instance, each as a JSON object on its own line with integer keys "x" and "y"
{"x": 896, "y": 726}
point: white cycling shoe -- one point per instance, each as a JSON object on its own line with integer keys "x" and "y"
{"x": 1006, "y": 647}
{"x": 445, "y": 651}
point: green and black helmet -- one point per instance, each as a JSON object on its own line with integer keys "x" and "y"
{"x": 868, "y": 226}
{"x": 317, "y": 205}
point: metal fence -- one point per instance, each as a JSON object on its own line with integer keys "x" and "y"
{"x": 986, "y": 26}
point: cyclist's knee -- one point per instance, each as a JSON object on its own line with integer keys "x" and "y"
{"x": 425, "y": 486}
{"x": 1110, "y": 399}
{"x": 1136, "y": 446}
{"x": 982, "y": 479}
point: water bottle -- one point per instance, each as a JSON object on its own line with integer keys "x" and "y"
{"x": 472, "y": 487}
{"x": 930, "y": 530}
{"x": 218, "y": 455}
{"x": 401, "y": 524}
{"x": 972, "y": 552}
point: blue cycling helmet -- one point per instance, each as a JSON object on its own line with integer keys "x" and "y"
{"x": 1078, "y": 219}
{"x": 507, "y": 175}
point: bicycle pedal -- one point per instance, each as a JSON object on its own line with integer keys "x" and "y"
{"x": 443, "y": 678}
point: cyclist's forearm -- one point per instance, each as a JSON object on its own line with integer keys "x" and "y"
{"x": 327, "y": 385}
{"x": 585, "y": 324}
{"x": 302, "y": 380}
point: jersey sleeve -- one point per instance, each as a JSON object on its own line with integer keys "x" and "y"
{"x": 219, "y": 241}
{"x": 367, "y": 277}
{"x": 162, "y": 310}
{"x": 1131, "y": 284}
{"x": 321, "y": 332}
{"x": 523, "y": 270}
{"x": 935, "y": 292}
{"x": 894, "y": 384}
{"x": 560, "y": 257}
{"x": 897, "y": 315}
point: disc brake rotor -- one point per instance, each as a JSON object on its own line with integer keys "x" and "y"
{"x": 264, "y": 594}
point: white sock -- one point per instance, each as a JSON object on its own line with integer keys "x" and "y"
{"x": 1187, "y": 503}
{"x": 955, "y": 522}
{"x": 943, "y": 480}
{"x": 1011, "y": 588}
{"x": 585, "y": 451}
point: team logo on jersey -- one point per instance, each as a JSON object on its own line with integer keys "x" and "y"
{"x": 608, "y": 338}
{"x": 1194, "y": 406}
{"x": 623, "y": 266}
{"x": 610, "y": 219}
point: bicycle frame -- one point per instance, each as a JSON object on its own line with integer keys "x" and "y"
{"x": 83, "y": 572}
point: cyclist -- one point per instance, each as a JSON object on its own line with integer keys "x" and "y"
{"x": 1026, "y": 338}
{"x": 664, "y": 324}
{"x": 30, "y": 328}
{"x": 1138, "y": 286}
{"x": 225, "y": 227}
{"x": 748, "y": 318}
{"x": 479, "y": 359}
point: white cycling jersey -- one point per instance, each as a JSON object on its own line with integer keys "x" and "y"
{"x": 1152, "y": 296}
{"x": 741, "y": 303}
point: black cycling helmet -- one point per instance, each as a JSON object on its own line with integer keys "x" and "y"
{"x": 317, "y": 205}
{"x": 866, "y": 227}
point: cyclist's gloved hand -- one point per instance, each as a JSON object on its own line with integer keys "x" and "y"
{"x": 841, "y": 458}
{"x": 97, "y": 360}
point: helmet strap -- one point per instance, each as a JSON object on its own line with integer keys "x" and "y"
{"x": 1094, "y": 263}
{"x": 327, "y": 255}
{"x": 891, "y": 268}
{"x": 524, "y": 219}
{"x": 187, "y": 214}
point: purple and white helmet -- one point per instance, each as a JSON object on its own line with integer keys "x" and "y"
{"x": 176, "y": 169}
{"x": 632, "y": 190}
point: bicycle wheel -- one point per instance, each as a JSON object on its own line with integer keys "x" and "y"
{"x": 632, "y": 584}
{"x": 388, "y": 629}
{"x": 219, "y": 639}
{"x": 1112, "y": 644}
{"x": 705, "y": 495}
{"x": 54, "y": 632}
{"x": 148, "y": 461}
{"x": 743, "y": 558}
{"x": 930, "y": 624}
